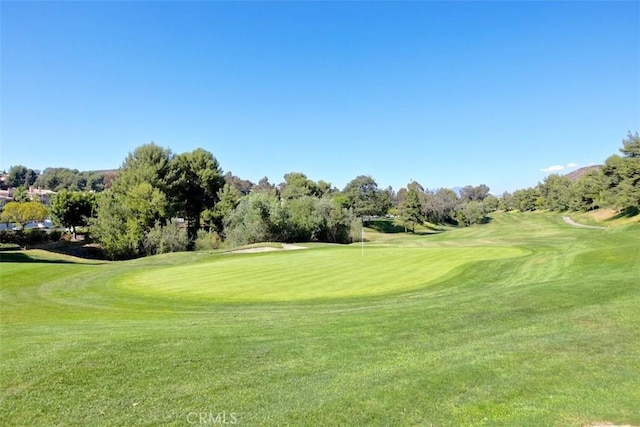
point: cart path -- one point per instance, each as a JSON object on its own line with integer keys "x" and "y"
{"x": 569, "y": 221}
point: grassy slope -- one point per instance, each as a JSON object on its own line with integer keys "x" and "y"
{"x": 607, "y": 217}
{"x": 543, "y": 331}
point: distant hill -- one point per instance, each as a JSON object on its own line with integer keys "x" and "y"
{"x": 104, "y": 171}
{"x": 576, "y": 174}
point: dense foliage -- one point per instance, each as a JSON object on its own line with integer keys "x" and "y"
{"x": 71, "y": 209}
{"x": 14, "y": 239}
{"x": 57, "y": 179}
{"x": 615, "y": 184}
{"x": 137, "y": 214}
{"x": 261, "y": 217}
{"x": 20, "y": 176}
{"x": 22, "y": 213}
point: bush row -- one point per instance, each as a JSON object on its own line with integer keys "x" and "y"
{"x": 30, "y": 236}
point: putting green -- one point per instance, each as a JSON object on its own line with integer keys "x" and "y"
{"x": 321, "y": 273}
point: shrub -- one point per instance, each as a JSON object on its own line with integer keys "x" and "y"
{"x": 8, "y": 236}
{"x": 355, "y": 231}
{"x": 207, "y": 241}
{"x": 165, "y": 238}
{"x": 88, "y": 238}
{"x": 30, "y": 236}
{"x": 34, "y": 236}
{"x": 55, "y": 235}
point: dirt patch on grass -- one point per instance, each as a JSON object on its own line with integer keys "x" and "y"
{"x": 602, "y": 214}
{"x": 613, "y": 217}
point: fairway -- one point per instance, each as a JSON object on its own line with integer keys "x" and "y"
{"x": 523, "y": 321}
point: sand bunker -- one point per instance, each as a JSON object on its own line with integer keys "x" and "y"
{"x": 285, "y": 247}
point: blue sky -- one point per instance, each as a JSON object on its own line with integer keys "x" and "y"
{"x": 445, "y": 93}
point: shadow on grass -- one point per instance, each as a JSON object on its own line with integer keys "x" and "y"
{"x": 387, "y": 226}
{"x": 428, "y": 232}
{"x": 627, "y": 213}
{"x": 23, "y": 257}
{"x": 485, "y": 220}
{"x": 384, "y": 226}
{"x": 78, "y": 251}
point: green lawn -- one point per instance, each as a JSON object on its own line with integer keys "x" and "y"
{"x": 523, "y": 321}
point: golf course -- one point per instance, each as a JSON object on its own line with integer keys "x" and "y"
{"x": 524, "y": 320}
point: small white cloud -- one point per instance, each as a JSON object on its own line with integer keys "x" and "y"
{"x": 572, "y": 165}
{"x": 554, "y": 168}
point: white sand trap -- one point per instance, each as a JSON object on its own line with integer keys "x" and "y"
{"x": 285, "y": 247}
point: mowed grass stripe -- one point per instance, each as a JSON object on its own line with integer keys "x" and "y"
{"x": 311, "y": 274}
{"x": 547, "y": 338}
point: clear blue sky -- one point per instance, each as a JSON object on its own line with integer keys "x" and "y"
{"x": 445, "y": 93}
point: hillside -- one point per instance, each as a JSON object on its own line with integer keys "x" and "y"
{"x": 576, "y": 174}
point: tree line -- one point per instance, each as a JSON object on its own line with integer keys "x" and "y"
{"x": 615, "y": 184}
{"x": 57, "y": 179}
{"x": 160, "y": 201}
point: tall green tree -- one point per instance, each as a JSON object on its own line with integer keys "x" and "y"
{"x": 556, "y": 192}
{"x": 23, "y": 213}
{"x": 136, "y": 201}
{"x": 471, "y": 213}
{"x": 109, "y": 227}
{"x": 228, "y": 198}
{"x": 411, "y": 211}
{"x": 265, "y": 186}
{"x": 123, "y": 220}
{"x": 439, "y": 206}
{"x": 526, "y": 199}
{"x": 631, "y": 145}
{"x": 72, "y": 209}
{"x": 337, "y": 221}
{"x": 144, "y": 205}
{"x": 588, "y": 192}
{"x": 33, "y": 212}
{"x": 491, "y": 203}
{"x": 295, "y": 185}
{"x": 324, "y": 188}
{"x": 507, "y": 201}
{"x": 305, "y": 217}
{"x": 251, "y": 221}
{"x": 148, "y": 163}
{"x": 243, "y": 186}
{"x": 474, "y": 193}
{"x": 196, "y": 180}
{"x": 363, "y": 196}
{"x": 57, "y": 179}
{"x": 20, "y": 176}
{"x": 623, "y": 174}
